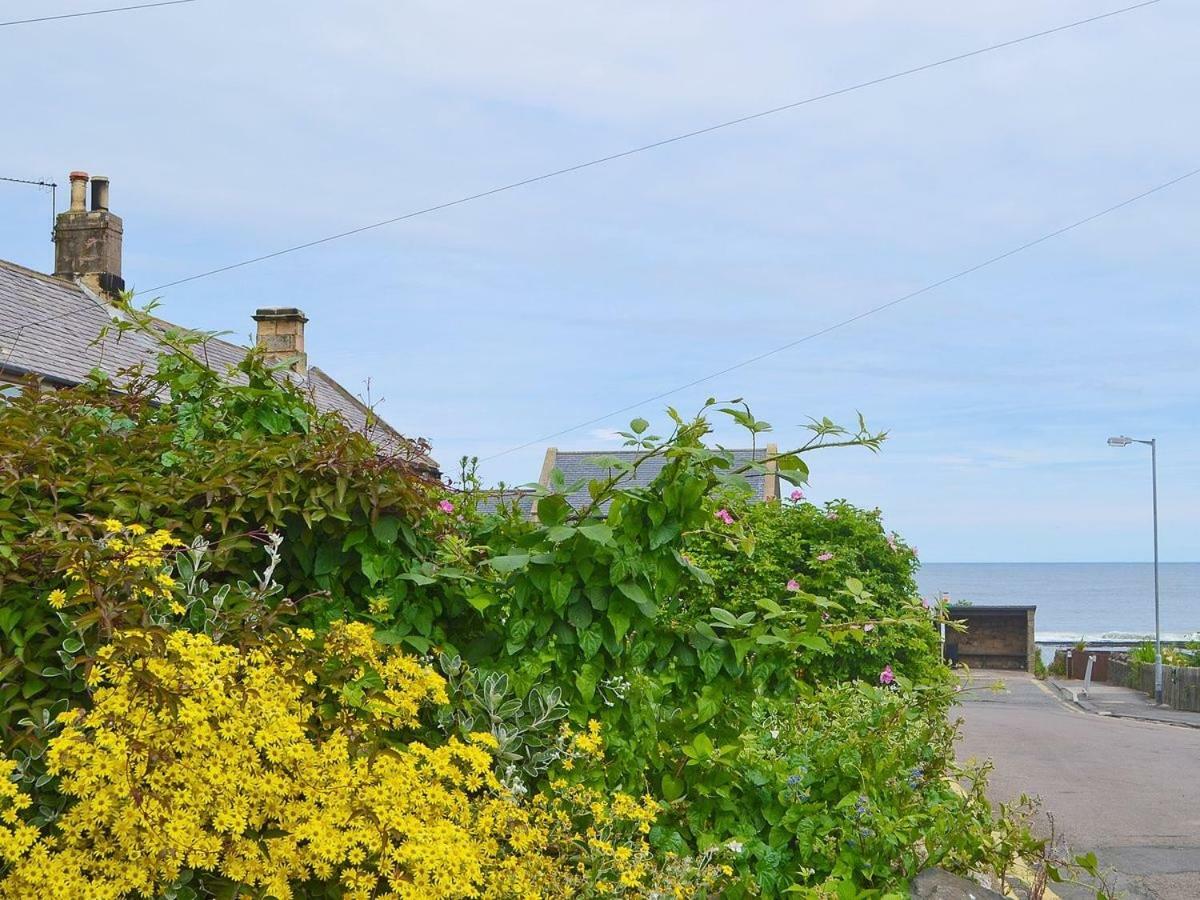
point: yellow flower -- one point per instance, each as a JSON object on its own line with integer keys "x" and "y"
{"x": 486, "y": 738}
{"x": 225, "y": 747}
{"x": 137, "y": 530}
{"x": 305, "y": 634}
{"x": 178, "y": 608}
{"x": 112, "y": 525}
{"x": 57, "y": 599}
{"x": 590, "y": 744}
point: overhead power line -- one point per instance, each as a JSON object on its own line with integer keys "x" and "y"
{"x": 962, "y": 273}
{"x": 94, "y": 12}
{"x": 709, "y": 129}
{"x": 604, "y": 159}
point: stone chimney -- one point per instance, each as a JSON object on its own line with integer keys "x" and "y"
{"x": 281, "y": 337}
{"x": 87, "y": 243}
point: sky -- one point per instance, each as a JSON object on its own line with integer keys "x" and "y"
{"x": 231, "y": 130}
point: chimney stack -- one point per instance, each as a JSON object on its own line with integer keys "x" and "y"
{"x": 87, "y": 243}
{"x": 281, "y": 337}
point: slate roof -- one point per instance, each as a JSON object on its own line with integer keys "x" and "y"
{"x": 581, "y": 464}
{"x": 49, "y": 328}
{"x": 494, "y": 501}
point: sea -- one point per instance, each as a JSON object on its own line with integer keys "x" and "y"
{"x": 1091, "y": 602}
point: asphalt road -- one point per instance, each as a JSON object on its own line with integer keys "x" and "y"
{"x": 1127, "y": 790}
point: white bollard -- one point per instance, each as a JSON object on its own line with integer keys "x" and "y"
{"x": 1087, "y": 674}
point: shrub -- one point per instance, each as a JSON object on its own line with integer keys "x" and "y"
{"x": 230, "y": 461}
{"x": 644, "y": 613}
{"x": 801, "y": 551}
{"x": 203, "y": 768}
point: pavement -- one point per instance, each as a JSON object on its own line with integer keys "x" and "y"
{"x": 1112, "y": 700}
{"x": 1124, "y": 788}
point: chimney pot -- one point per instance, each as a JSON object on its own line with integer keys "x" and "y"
{"x": 79, "y": 182}
{"x": 99, "y": 193}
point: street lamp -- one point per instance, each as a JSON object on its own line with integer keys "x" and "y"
{"x": 1123, "y": 441}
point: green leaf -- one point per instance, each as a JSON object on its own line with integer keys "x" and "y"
{"x": 590, "y": 641}
{"x": 793, "y": 466}
{"x": 811, "y": 641}
{"x": 509, "y": 563}
{"x": 619, "y": 616}
{"x": 724, "y": 617}
{"x": 741, "y": 646}
{"x": 600, "y": 533}
{"x": 771, "y": 607}
{"x": 664, "y": 534}
{"x": 638, "y": 595}
{"x": 328, "y": 559}
{"x": 672, "y": 788}
{"x": 560, "y": 533}
{"x": 482, "y": 602}
{"x": 414, "y": 577}
{"x": 9, "y": 617}
{"x": 586, "y": 680}
{"x": 385, "y": 529}
{"x": 638, "y": 426}
{"x": 580, "y": 614}
{"x": 552, "y": 509}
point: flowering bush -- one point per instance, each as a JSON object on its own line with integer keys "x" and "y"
{"x": 663, "y": 613}
{"x": 198, "y": 756}
{"x": 275, "y": 766}
{"x": 805, "y": 555}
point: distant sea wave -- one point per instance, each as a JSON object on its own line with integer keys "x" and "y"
{"x": 1071, "y": 637}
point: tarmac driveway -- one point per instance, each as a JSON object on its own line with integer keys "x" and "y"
{"x": 1127, "y": 790}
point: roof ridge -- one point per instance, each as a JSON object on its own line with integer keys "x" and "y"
{"x": 375, "y": 419}
{"x": 41, "y": 276}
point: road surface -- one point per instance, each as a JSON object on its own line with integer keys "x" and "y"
{"x": 1125, "y": 789}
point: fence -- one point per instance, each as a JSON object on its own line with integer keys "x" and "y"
{"x": 1181, "y": 684}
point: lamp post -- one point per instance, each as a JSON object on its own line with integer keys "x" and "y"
{"x": 1123, "y": 441}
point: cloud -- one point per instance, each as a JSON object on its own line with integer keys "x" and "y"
{"x": 492, "y": 323}
{"x": 605, "y": 435}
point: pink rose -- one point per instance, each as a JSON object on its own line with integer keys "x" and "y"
{"x": 870, "y": 626}
{"x": 825, "y": 557}
{"x": 446, "y": 506}
{"x": 887, "y": 676}
{"x": 724, "y": 516}
{"x": 831, "y": 515}
{"x": 793, "y": 585}
{"x": 797, "y": 495}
